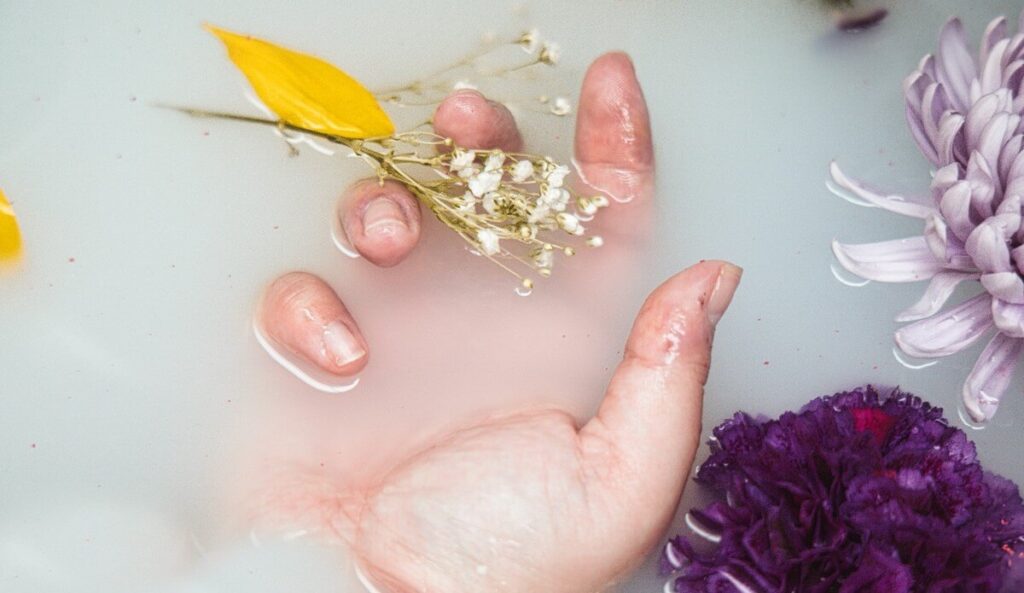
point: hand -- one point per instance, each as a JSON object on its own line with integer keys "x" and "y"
{"x": 527, "y": 501}
{"x": 613, "y": 152}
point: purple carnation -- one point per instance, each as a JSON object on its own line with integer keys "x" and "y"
{"x": 856, "y": 493}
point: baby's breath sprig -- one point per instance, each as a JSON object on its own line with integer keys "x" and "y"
{"x": 479, "y": 66}
{"x": 511, "y": 208}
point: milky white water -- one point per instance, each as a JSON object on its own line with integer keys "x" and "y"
{"x": 136, "y": 406}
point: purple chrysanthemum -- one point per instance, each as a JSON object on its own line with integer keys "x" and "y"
{"x": 965, "y": 114}
{"x": 856, "y": 493}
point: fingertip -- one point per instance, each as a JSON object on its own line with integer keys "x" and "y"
{"x": 301, "y": 312}
{"x": 677, "y": 321}
{"x": 472, "y": 121}
{"x": 381, "y": 221}
{"x": 614, "y": 144}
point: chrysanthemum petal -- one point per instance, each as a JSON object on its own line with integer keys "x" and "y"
{"x": 935, "y": 296}
{"x": 979, "y": 116}
{"x": 987, "y": 244}
{"x": 995, "y": 33}
{"x": 955, "y": 206}
{"x": 950, "y": 142}
{"x": 955, "y": 65}
{"x": 892, "y": 202}
{"x": 1008, "y": 318}
{"x": 1005, "y": 286}
{"x": 949, "y": 332}
{"x": 901, "y": 260}
{"x": 991, "y": 376}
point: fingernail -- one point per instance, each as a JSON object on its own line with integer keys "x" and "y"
{"x": 721, "y": 295}
{"x": 467, "y": 93}
{"x": 341, "y": 345}
{"x": 383, "y": 216}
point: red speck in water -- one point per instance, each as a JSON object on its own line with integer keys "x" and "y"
{"x": 276, "y": 227}
{"x": 131, "y": 98}
{"x": 229, "y": 401}
{"x": 766, "y": 363}
{"x": 37, "y": 98}
{"x": 33, "y": 445}
{"x": 874, "y": 368}
{"x": 206, "y": 132}
{"x": 71, "y": 260}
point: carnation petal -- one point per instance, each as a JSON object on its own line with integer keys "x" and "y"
{"x": 900, "y": 260}
{"x": 935, "y": 296}
{"x": 892, "y": 202}
{"x": 991, "y": 376}
{"x": 949, "y": 332}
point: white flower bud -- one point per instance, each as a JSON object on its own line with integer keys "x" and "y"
{"x": 489, "y": 242}
{"x": 522, "y": 171}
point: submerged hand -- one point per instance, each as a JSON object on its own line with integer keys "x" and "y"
{"x": 528, "y": 501}
{"x": 613, "y": 154}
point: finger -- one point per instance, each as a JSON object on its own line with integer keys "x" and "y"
{"x": 382, "y": 221}
{"x": 614, "y": 150}
{"x": 649, "y": 423}
{"x": 303, "y": 313}
{"x": 472, "y": 121}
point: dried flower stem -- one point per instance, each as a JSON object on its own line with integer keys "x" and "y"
{"x": 505, "y": 206}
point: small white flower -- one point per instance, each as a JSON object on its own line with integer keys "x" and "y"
{"x": 569, "y": 223}
{"x": 561, "y": 106}
{"x": 463, "y": 85}
{"x": 529, "y": 41}
{"x": 555, "y": 198}
{"x": 489, "y": 202}
{"x": 489, "y": 242}
{"x": 468, "y": 203}
{"x": 586, "y": 207}
{"x": 522, "y": 171}
{"x": 544, "y": 258}
{"x": 484, "y": 182}
{"x": 539, "y": 213}
{"x": 462, "y": 159}
{"x": 469, "y": 171}
{"x": 550, "y": 53}
{"x": 494, "y": 161}
{"x": 595, "y": 241}
{"x": 556, "y": 176}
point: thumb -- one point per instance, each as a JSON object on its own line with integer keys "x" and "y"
{"x": 647, "y": 429}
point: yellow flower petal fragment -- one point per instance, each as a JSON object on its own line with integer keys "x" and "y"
{"x": 10, "y": 236}
{"x": 304, "y": 91}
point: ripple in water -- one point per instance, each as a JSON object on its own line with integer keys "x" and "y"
{"x": 907, "y": 362}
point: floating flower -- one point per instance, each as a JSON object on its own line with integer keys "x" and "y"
{"x": 855, "y": 493}
{"x": 496, "y": 201}
{"x": 10, "y": 236}
{"x": 965, "y": 115}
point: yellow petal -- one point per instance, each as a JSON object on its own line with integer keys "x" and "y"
{"x": 305, "y": 91}
{"x": 10, "y": 236}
